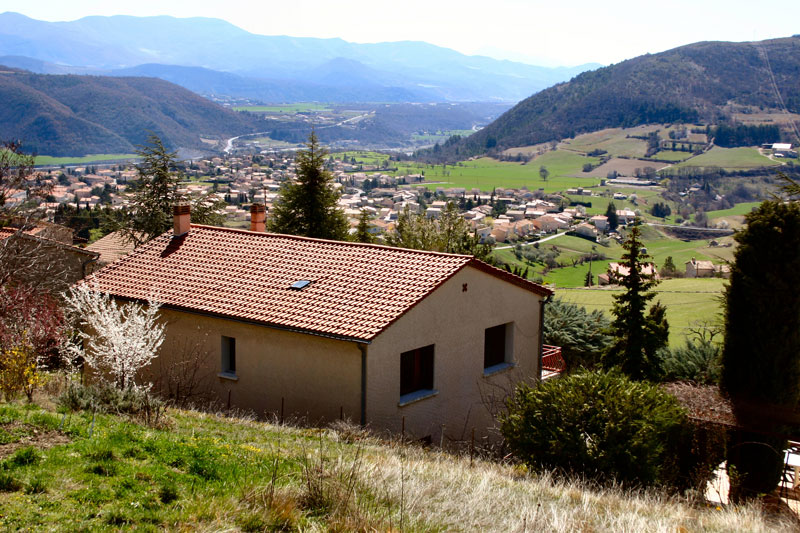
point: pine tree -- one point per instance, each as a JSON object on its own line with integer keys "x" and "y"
{"x": 307, "y": 206}
{"x": 588, "y": 281}
{"x": 761, "y": 354}
{"x": 637, "y": 337}
{"x": 155, "y": 193}
{"x": 362, "y": 233}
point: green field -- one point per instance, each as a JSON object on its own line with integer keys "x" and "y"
{"x": 730, "y": 158}
{"x": 738, "y": 209}
{"x": 669, "y": 155}
{"x": 93, "y": 158}
{"x": 362, "y": 157}
{"x": 688, "y": 302}
{"x": 441, "y": 135}
{"x": 486, "y": 174}
{"x": 302, "y": 107}
{"x": 614, "y": 141}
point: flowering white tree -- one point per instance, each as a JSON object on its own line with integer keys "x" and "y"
{"x": 118, "y": 340}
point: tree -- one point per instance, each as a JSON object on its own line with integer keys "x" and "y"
{"x": 16, "y": 175}
{"x": 449, "y": 234}
{"x": 117, "y": 340}
{"x": 637, "y": 337}
{"x": 761, "y": 352}
{"x": 544, "y": 173}
{"x": 154, "y": 195}
{"x": 668, "y": 268}
{"x": 362, "y": 233}
{"x": 588, "y": 280}
{"x": 611, "y": 214}
{"x": 582, "y": 335}
{"x": 307, "y": 206}
{"x": 661, "y": 210}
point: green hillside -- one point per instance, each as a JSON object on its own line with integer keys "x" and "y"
{"x": 697, "y": 82}
{"x": 69, "y": 115}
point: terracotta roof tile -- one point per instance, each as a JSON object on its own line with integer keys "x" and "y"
{"x": 356, "y": 290}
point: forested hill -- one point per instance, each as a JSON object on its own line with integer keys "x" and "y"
{"x": 78, "y": 115}
{"x": 691, "y": 83}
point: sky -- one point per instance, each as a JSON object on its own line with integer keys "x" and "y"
{"x": 549, "y": 33}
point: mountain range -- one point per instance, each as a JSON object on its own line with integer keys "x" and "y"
{"x": 211, "y": 56}
{"x": 706, "y": 82}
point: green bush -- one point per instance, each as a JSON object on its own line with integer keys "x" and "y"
{"x": 695, "y": 361}
{"x": 107, "y": 398}
{"x": 8, "y": 483}
{"x": 24, "y": 456}
{"x": 608, "y": 428}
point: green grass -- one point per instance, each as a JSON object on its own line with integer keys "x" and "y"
{"x": 669, "y": 155}
{"x": 739, "y": 209}
{"x": 208, "y": 472}
{"x": 729, "y": 158}
{"x": 688, "y": 302}
{"x": 613, "y": 141}
{"x": 486, "y": 174}
{"x": 362, "y": 157}
{"x": 77, "y": 160}
{"x": 302, "y": 107}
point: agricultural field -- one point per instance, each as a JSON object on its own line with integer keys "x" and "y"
{"x": 362, "y": 157}
{"x": 738, "y": 209}
{"x": 670, "y": 155}
{"x": 730, "y": 158}
{"x": 623, "y": 167}
{"x": 486, "y": 174}
{"x": 284, "y": 109}
{"x": 46, "y": 160}
{"x": 689, "y": 302}
{"x": 615, "y": 141}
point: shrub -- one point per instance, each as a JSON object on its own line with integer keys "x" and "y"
{"x": 581, "y": 334}
{"x": 606, "y": 427}
{"x": 167, "y": 494}
{"x": 107, "y": 398}
{"x": 8, "y": 483}
{"x": 695, "y": 361}
{"x": 24, "y": 456}
{"x": 36, "y": 485}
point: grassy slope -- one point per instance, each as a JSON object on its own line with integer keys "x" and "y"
{"x": 729, "y": 158}
{"x": 486, "y": 174}
{"x": 206, "y": 473}
{"x": 688, "y": 301}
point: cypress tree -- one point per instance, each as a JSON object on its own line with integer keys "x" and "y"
{"x": 761, "y": 353}
{"x": 307, "y": 206}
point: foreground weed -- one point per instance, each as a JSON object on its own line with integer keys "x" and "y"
{"x": 24, "y": 456}
{"x": 8, "y": 483}
{"x": 37, "y": 485}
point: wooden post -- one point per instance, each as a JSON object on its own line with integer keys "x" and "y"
{"x": 341, "y": 412}
{"x": 229, "y": 399}
{"x": 441, "y": 438}
{"x": 281, "y": 409}
{"x": 403, "y": 430}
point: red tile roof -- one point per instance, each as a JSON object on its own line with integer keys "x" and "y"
{"x": 356, "y": 290}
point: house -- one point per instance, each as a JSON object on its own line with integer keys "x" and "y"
{"x": 706, "y": 269}
{"x": 586, "y": 230}
{"x": 600, "y": 222}
{"x": 110, "y": 248}
{"x": 616, "y": 271}
{"x": 625, "y": 216}
{"x": 386, "y": 336}
{"x": 27, "y": 256}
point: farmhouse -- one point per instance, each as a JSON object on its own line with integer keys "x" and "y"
{"x": 616, "y": 271}
{"x": 705, "y": 269}
{"x": 386, "y": 336}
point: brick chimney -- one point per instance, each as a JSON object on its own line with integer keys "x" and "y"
{"x": 258, "y": 216}
{"x": 182, "y": 219}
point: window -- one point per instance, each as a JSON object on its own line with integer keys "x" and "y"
{"x": 497, "y": 345}
{"x": 416, "y": 370}
{"x": 229, "y": 355}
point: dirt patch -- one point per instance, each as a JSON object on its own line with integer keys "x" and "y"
{"x": 27, "y": 435}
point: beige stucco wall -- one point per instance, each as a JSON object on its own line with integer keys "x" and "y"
{"x": 315, "y": 376}
{"x": 455, "y": 321}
